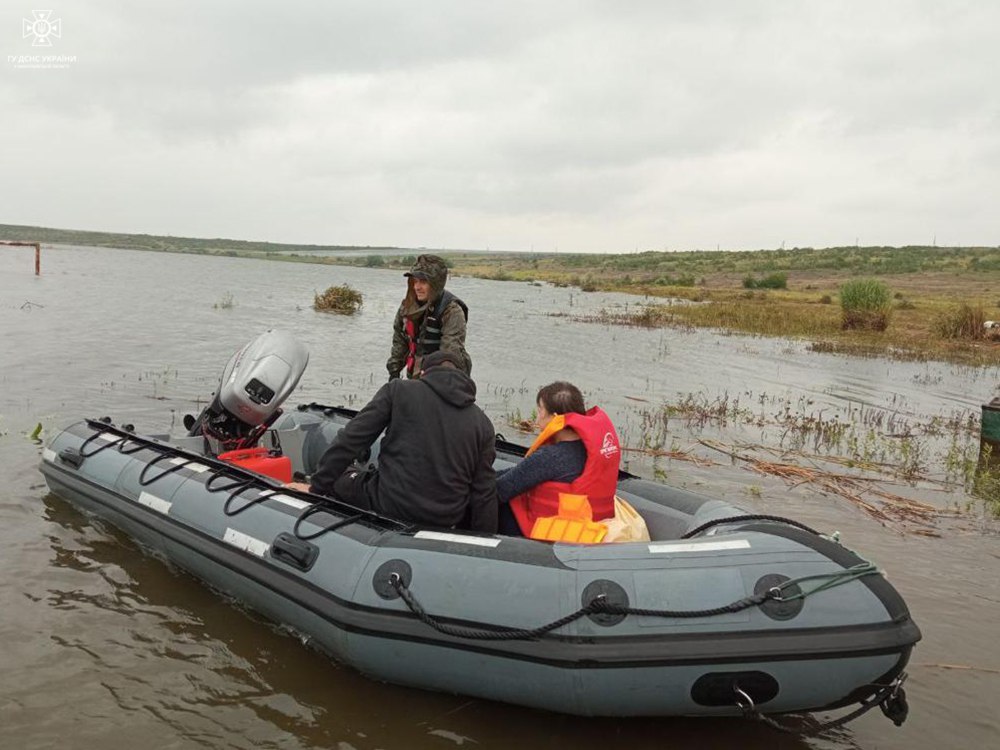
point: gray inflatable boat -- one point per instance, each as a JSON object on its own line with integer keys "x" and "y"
{"x": 722, "y": 613}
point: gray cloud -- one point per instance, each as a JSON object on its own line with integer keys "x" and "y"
{"x": 582, "y": 126}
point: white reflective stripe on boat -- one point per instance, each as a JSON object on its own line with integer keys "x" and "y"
{"x": 699, "y": 546}
{"x": 49, "y": 455}
{"x": 246, "y": 543}
{"x": 187, "y": 463}
{"x": 154, "y": 502}
{"x": 444, "y": 536}
{"x": 107, "y": 437}
{"x": 292, "y": 501}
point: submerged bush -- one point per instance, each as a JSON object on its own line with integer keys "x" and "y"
{"x": 984, "y": 483}
{"x": 226, "y": 303}
{"x": 644, "y": 316}
{"x": 342, "y": 300}
{"x": 961, "y": 322}
{"x": 865, "y": 304}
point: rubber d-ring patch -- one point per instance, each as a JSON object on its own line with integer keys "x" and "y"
{"x": 382, "y": 583}
{"x": 778, "y": 610}
{"x": 613, "y": 593}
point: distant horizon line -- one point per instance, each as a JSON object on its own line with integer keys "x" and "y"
{"x": 400, "y": 249}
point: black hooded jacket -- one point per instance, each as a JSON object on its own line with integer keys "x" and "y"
{"x": 436, "y": 458}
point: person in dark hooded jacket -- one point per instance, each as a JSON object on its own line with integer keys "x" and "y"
{"x": 429, "y": 319}
{"x": 436, "y": 458}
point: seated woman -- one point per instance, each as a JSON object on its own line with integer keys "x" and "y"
{"x": 577, "y": 452}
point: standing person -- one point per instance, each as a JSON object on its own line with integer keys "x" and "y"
{"x": 576, "y": 453}
{"x": 436, "y": 458}
{"x": 429, "y": 319}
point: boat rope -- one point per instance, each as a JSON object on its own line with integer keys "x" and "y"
{"x": 105, "y": 446}
{"x": 144, "y": 481}
{"x": 238, "y": 484}
{"x": 227, "y": 508}
{"x": 104, "y": 426}
{"x": 750, "y": 517}
{"x": 222, "y": 471}
{"x": 134, "y": 449}
{"x": 485, "y": 634}
{"x": 890, "y": 698}
{"x": 828, "y": 581}
{"x": 313, "y": 510}
{"x": 601, "y": 606}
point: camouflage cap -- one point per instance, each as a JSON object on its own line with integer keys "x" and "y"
{"x": 429, "y": 268}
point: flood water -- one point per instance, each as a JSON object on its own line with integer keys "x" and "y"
{"x": 104, "y": 647}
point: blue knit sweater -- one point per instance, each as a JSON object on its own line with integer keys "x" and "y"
{"x": 558, "y": 462}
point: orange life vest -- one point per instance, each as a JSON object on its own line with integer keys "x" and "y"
{"x": 573, "y": 523}
{"x": 598, "y": 481}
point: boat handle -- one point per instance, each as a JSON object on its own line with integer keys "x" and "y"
{"x": 294, "y": 551}
{"x": 71, "y": 456}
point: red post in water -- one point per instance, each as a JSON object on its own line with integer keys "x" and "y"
{"x": 38, "y": 252}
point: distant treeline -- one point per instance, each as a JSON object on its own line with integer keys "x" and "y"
{"x": 169, "y": 244}
{"x": 867, "y": 260}
{"x": 664, "y": 268}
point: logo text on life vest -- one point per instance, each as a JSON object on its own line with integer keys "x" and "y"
{"x": 610, "y": 446}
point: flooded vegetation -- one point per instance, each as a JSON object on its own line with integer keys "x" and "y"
{"x": 916, "y": 331}
{"x": 865, "y": 304}
{"x": 343, "y": 300}
{"x": 905, "y": 469}
{"x": 857, "y": 454}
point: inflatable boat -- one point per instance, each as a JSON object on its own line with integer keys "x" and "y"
{"x": 722, "y": 612}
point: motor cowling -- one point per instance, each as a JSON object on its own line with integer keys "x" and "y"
{"x": 255, "y": 382}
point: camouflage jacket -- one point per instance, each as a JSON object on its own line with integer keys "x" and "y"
{"x": 421, "y": 328}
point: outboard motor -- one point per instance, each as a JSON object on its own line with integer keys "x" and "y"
{"x": 254, "y": 384}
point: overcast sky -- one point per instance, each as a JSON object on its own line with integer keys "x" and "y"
{"x": 545, "y": 125}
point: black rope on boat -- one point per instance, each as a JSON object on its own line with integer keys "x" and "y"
{"x": 144, "y": 482}
{"x": 134, "y": 449}
{"x": 120, "y": 443}
{"x": 483, "y": 634}
{"x": 750, "y": 517}
{"x": 890, "y": 698}
{"x": 104, "y": 427}
{"x": 92, "y": 438}
{"x": 237, "y": 485}
{"x": 125, "y": 435}
{"x": 597, "y": 606}
{"x": 601, "y": 606}
{"x": 313, "y": 510}
{"x": 245, "y": 480}
{"x": 227, "y": 509}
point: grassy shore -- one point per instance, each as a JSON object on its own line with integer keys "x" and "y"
{"x": 709, "y": 289}
{"x": 716, "y": 289}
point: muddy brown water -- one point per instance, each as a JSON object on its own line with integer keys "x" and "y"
{"x": 103, "y": 646}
